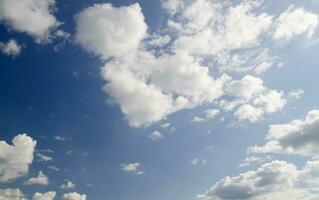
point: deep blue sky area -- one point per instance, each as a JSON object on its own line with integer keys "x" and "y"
{"x": 47, "y": 93}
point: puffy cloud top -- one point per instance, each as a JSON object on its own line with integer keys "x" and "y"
{"x": 16, "y": 158}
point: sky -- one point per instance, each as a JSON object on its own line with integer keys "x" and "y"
{"x": 162, "y": 99}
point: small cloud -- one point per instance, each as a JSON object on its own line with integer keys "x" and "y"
{"x": 197, "y": 119}
{"x": 212, "y": 113}
{"x": 67, "y": 185}
{"x": 132, "y": 168}
{"x": 40, "y": 179}
{"x": 155, "y": 135}
{"x": 43, "y": 157}
{"x": 53, "y": 168}
{"x": 197, "y": 162}
{"x": 10, "y": 48}
{"x": 296, "y": 94}
{"x": 166, "y": 125}
{"x": 59, "y": 138}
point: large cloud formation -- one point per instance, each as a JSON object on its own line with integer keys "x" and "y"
{"x": 300, "y": 136}
{"x": 34, "y": 17}
{"x": 274, "y": 180}
{"x": 152, "y": 75}
{"x": 16, "y": 158}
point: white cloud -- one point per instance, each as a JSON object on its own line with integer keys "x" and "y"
{"x": 132, "y": 168}
{"x": 197, "y": 161}
{"x": 45, "y": 196}
{"x": 40, "y": 179}
{"x": 53, "y": 168}
{"x": 11, "y": 194}
{"x": 43, "y": 157}
{"x": 212, "y": 113}
{"x": 296, "y": 94}
{"x": 269, "y": 178}
{"x": 152, "y": 75}
{"x": 59, "y": 138}
{"x": 74, "y": 196}
{"x": 16, "y": 158}
{"x": 165, "y": 125}
{"x": 34, "y": 17}
{"x": 197, "y": 119}
{"x": 10, "y": 48}
{"x": 295, "y": 21}
{"x": 249, "y": 112}
{"x": 68, "y": 185}
{"x": 117, "y": 31}
{"x": 155, "y": 135}
{"x": 300, "y": 137}
{"x": 253, "y": 159}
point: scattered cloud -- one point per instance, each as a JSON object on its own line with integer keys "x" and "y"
{"x": 132, "y": 168}
{"x": 68, "y": 185}
{"x": 16, "y": 158}
{"x": 11, "y": 194}
{"x": 45, "y": 196}
{"x": 74, "y": 196}
{"x": 197, "y": 162}
{"x": 40, "y": 179}
{"x": 11, "y": 48}
{"x": 155, "y": 135}
{"x": 300, "y": 137}
{"x": 33, "y": 17}
{"x": 43, "y": 157}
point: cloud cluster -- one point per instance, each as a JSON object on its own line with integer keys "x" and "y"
{"x": 300, "y": 136}
{"x": 34, "y": 17}
{"x": 74, "y": 196}
{"x": 152, "y": 75}
{"x": 274, "y": 180}
{"x": 16, "y": 158}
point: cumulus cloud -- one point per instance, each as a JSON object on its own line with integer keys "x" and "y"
{"x": 117, "y": 31}
{"x": 16, "y": 158}
{"x": 132, "y": 168}
{"x": 74, "y": 196}
{"x": 295, "y": 21}
{"x": 152, "y": 75}
{"x": 40, "y": 179}
{"x": 45, "y": 196}
{"x": 11, "y": 194}
{"x": 34, "y": 17}
{"x": 271, "y": 177}
{"x": 10, "y": 48}
{"x": 300, "y": 137}
{"x": 68, "y": 185}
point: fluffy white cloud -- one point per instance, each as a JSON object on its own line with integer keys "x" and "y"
{"x": 271, "y": 177}
{"x": 68, "y": 185}
{"x": 132, "y": 168}
{"x": 10, "y": 48}
{"x": 11, "y": 194}
{"x": 16, "y": 158}
{"x": 300, "y": 136}
{"x": 40, "y": 179}
{"x": 252, "y": 98}
{"x": 155, "y": 135}
{"x": 74, "y": 196}
{"x": 152, "y": 75}
{"x": 295, "y": 21}
{"x": 34, "y": 17}
{"x": 45, "y": 196}
{"x": 249, "y": 112}
{"x": 212, "y": 113}
{"x": 117, "y": 31}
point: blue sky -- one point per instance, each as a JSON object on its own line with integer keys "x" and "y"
{"x": 171, "y": 99}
